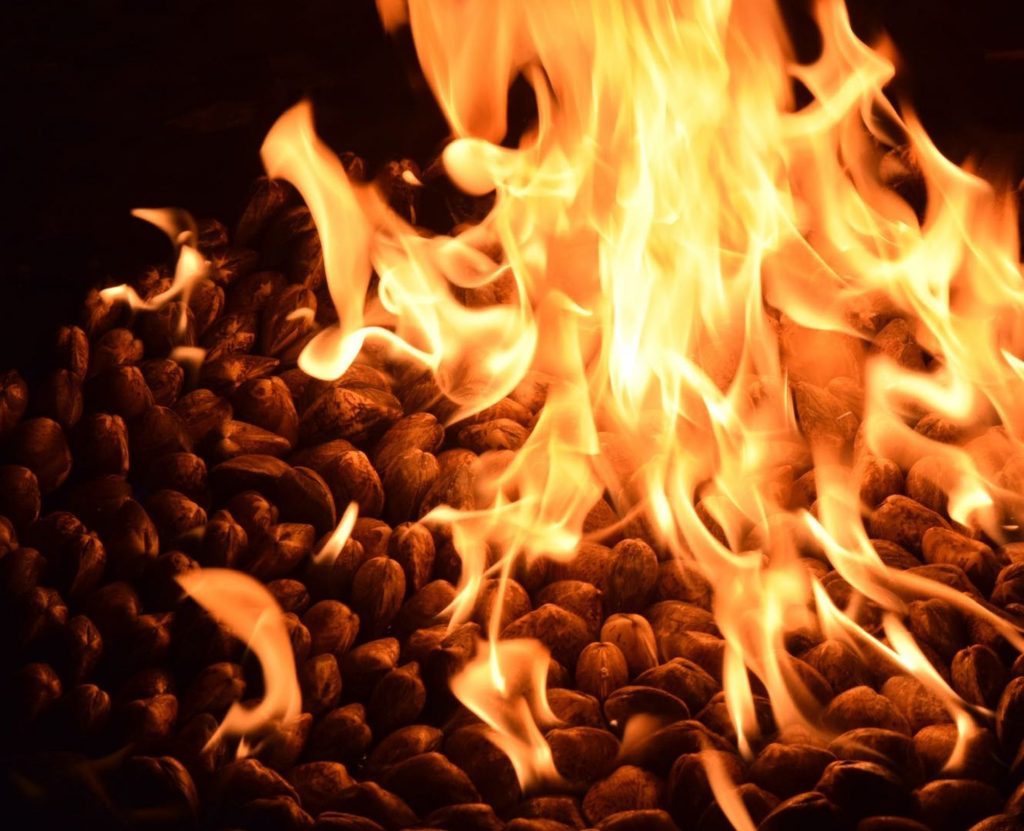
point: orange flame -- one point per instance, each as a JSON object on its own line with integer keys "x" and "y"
{"x": 191, "y": 266}
{"x": 505, "y": 686}
{"x": 696, "y": 264}
{"x": 332, "y": 546}
{"x": 670, "y": 225}
{"x": 252, "y": 614}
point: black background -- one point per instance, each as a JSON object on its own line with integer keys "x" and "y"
{"x": 113, "y": 104}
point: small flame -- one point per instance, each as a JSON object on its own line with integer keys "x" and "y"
{"x": 909, "y": 655}
{"x": 336, "y": 541}
{"x": 190, "y": 268}
{"x": 724, "y": 789}
{"x": 189, "y": 357}
{"x": 252, "y": 614}
{"x": 505, "y": 686}
{"x": 304, "y": 314}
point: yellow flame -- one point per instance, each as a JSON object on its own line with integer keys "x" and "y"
{"x": 687, "y": 252}
{"x": 694, "y": 263}
{"x": 191, "y": 266}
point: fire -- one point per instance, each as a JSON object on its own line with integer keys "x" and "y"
{"x": 695, "y": 270}
{"x": 689, "y": 253}
{"x": 251, "y": 613}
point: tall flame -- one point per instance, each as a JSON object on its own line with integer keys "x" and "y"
{"x": 689, "y": 254}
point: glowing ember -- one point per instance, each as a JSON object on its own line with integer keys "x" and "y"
{"x": 721, "y": 296}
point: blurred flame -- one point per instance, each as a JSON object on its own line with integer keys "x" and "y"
{"x": 332, "y": 546}
{"x": 242, "y": 604}
{"x": 191, "y": 265}
{"x": 339, "y": 536}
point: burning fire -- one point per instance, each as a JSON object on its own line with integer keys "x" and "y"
{"x": 693, "y": 270}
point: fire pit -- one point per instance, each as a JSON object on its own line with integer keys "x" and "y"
{"x": 676, "y": 484}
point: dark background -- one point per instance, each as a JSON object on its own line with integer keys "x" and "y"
{"x": 114, "y": 104}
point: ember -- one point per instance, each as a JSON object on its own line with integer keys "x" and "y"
{"x": 678, "y": 486}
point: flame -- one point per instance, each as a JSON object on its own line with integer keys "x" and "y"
{"x": 190, "y": 268}
{"x": 689, "y": 251}
{"x": 252, "y": 614}
{"x": 191, "y": 265}
{"x": 698, "y": 272}
{"x": 726, "y": 794}
{"x": 333, "y": 545}
{"x": 504, "y": 684}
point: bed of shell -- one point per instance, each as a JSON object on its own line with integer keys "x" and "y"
{"x": 122, "y": 469}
